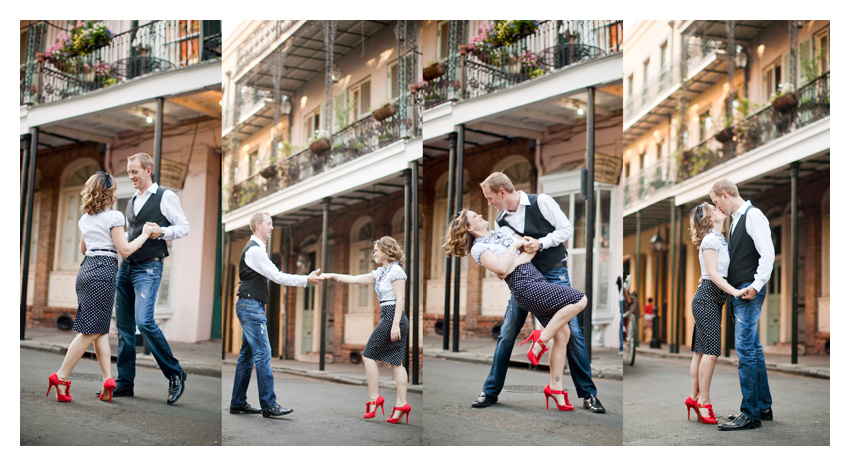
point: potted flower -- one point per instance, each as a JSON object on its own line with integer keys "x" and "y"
{"x": 433, "y": 69}
{"x": 319, "y": 143}
{"x": 785, "y": 98}
{"x": 386, "y": 109}
{"x": 727, "y": 133}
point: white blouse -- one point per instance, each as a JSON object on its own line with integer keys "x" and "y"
{"x": 384, "y": 278}
{"x": 498, "y": 243}
{"x": 714, "y": 240}
{"x": 96, "y": 231}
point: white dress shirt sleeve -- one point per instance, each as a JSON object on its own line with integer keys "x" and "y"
{"x": 170, "y": 207}
{"x": 258, "y": 260}
{"x": 758, "y": 228}
{"x": 553, "y": 214}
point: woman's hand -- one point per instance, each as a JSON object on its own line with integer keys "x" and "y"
{"x": 738, "y": 293}
{"x": 147, "y": 230}
{"x": 395, "y": 332}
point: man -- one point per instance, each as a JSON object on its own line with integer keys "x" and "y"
{"x": 255, "y": 271}
{"x": 539, "y": 219}
{"x": 139, "y": 277}
{"x": 750, "y": 266}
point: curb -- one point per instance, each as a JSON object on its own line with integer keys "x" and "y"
{"x": 344, "y": 379}
{"x": 785, "y": 368}
{"x": 190, "y": 367}
{"x": 479, "y": 359}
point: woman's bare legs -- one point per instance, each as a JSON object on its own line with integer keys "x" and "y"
{"x": 706, "y": 371}
{"x": 372, "y": 381}
{"x": 400, "y": 375}
{"x": 560, "y": 320}
{"x": 695, "y": 375}
{"x": 75, "y": 351}
{"x": 104, "y": 357}
{"x": 557, "y": 358}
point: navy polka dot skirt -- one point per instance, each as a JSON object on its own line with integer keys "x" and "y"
{"x": 534, "y": 294}
{"x": 380, "y": 347}
{"x": 95, "y": 294}
{"x": 707, "y": 307}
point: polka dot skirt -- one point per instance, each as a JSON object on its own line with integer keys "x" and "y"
{"x": 707, "y": 307}
{"x": 534, "y": 294}
{"x": 380, "y": 347}
{"x": 95, "y": 294}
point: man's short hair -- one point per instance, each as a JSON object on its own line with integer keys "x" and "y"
{"x": 144, "y": 159}
{"x": 497, "y": 181}
{"x": 725, "y": 185}
{"x": 258, "y": 217}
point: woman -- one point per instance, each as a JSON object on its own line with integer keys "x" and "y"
{"x": 707, "y": 305}
{"x": 102, "y": 239}
{"x": 553, "y": 305}
{"x": 389, "y": 339}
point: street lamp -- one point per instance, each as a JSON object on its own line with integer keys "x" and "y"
{"x": 659, "y": 246}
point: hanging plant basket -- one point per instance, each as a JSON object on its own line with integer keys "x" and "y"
{"x": 785, "y": 102}
{"x": 269, "y": 172}
{"x": 320, "y": 146}
{"x": 725, "y": 135}
{"x": 434, "y": 71}
{"x": 385, "y": 112}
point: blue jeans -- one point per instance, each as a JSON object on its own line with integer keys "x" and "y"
{"x": 752, "y": 372}
{"x": 256, "y": 352}
{"x": 515, "y": 317}
{"x": 135, "y": 298}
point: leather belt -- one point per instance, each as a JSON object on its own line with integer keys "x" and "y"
{"x": 559, "y": 264}
{"x": 144, "y": 261}
{"x": 104, "y": 250}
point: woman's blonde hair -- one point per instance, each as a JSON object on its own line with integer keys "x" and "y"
{"x": 98, "y": 193}
{"x": 458, "y": 238}
{"x": 390, "y": 248}
{"x": 701, "y": 223}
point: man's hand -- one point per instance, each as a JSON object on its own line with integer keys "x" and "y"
{"x": 531, "y": 244}
{"x": 748, "y": 293}
{"x": 156, "y": 230}
{"x": 315, "y": 277}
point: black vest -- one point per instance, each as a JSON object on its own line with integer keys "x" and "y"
{"x": 743, "y": 256}
{"x": 253, "y": 285}
{"x": 537, "y": 226}
{"x": 150, "y": 212}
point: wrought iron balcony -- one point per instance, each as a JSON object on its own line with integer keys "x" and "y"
{"x": 363, "y": 137}
{"x": 259, "y": 41}
{"x": 650, "y": 180}
{"x": 58, "y": 70}
{"x": 759, "y": 129}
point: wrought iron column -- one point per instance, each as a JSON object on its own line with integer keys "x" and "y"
{"x": 407, "y": 261}
{"x": 590, "y": 209}
{"x": 729, "y": 146}
{"x": 683, "y": 97}
{"x": 674, "y": 280}
{"x": 157, "y": 139}
{"x": 795, "y": 167}
{"x": 326, "y": 209}
{"x": 28, "y": 229}
{"x": 25, "y": 179}
{"x": 792, "y": 52}
{"x": 638, "y": 272}
{"x": 680, "y": 279}
{"x": 450, "y": 208}
{"x": 286, "y": 246}
{"x": 416, "y": 260}
{"x": 461, "y": 130}
{"x": 226, "y": 335}
{"x": 330, "y": 34}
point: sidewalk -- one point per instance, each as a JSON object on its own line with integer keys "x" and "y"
{"x": 605, "y": 363}
{"x": 816, "y": 366}
{"x": 347, "y": 373}
{"x": 202, "y": 358}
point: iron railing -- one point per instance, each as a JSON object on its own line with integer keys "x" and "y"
{"x": 148, "y": 49}
{"x": 650, "y": 180}
{"x": 259, "y": 41}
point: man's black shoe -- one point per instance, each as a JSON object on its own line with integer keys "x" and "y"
{"x": 245, "y": 409}
{"x": 592, "y": 404}
{"x": 276, "y": 411}
{"x": 766, "y": 415}
{"x": 484, "y": 400}
{"x": 741, "y": 422}
{"x": 176, "y": 385}
{"x": 118, "y": 391}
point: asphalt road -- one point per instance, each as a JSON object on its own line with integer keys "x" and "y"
{"x": 326, "y": 413}
{"x": 145, "y": 419}
{"x": 655, "y": 390}
{"x": 520, "y": 417}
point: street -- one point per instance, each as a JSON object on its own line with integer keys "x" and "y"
{"x": 520, "y": 417}
{"x": 326, "y": 413}
{"x": 655, "y": 392}
{"x": 144, "y": 419}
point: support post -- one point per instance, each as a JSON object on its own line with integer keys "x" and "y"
{"x": 408, "y": 264}
{"x": 226, "y": 334}
{"x": 461, "y": 129}
{"x": 638, "y": 273}
{"x": 674, "y": 280}
{"x": 450, "y": 209}
{"x": 326, "y": 209}
{"x": 28, "y": 231}
{"x": 25, "y": 179}
{"x": 414, "y": 227}
{"x": 157, "y": 139}
{"x": 795, "y": 167}
{"x": 590, "y": 238}
{"x": 680, "y": 278}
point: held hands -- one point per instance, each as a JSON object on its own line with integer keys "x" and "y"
{"x": 395, "y": 332}
{"x": 315, "y": 277}
{"x": 155, "y": 230}
{"x": 747, "y": 293}
{"x": 147, "y": 230}
{"x": 532, "y": 245}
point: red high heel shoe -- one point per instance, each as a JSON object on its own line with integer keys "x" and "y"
{"x": 108, "y": 386}
{"x": 711, "y": 419}
{"x": 690, "y": 404}
{"x": 54, "y": 380}
{"x": 378, "y": 402}
{"x": 535, "y": 338}
{"x": 404, "y": 410}
{"x": 551, "y": 393}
